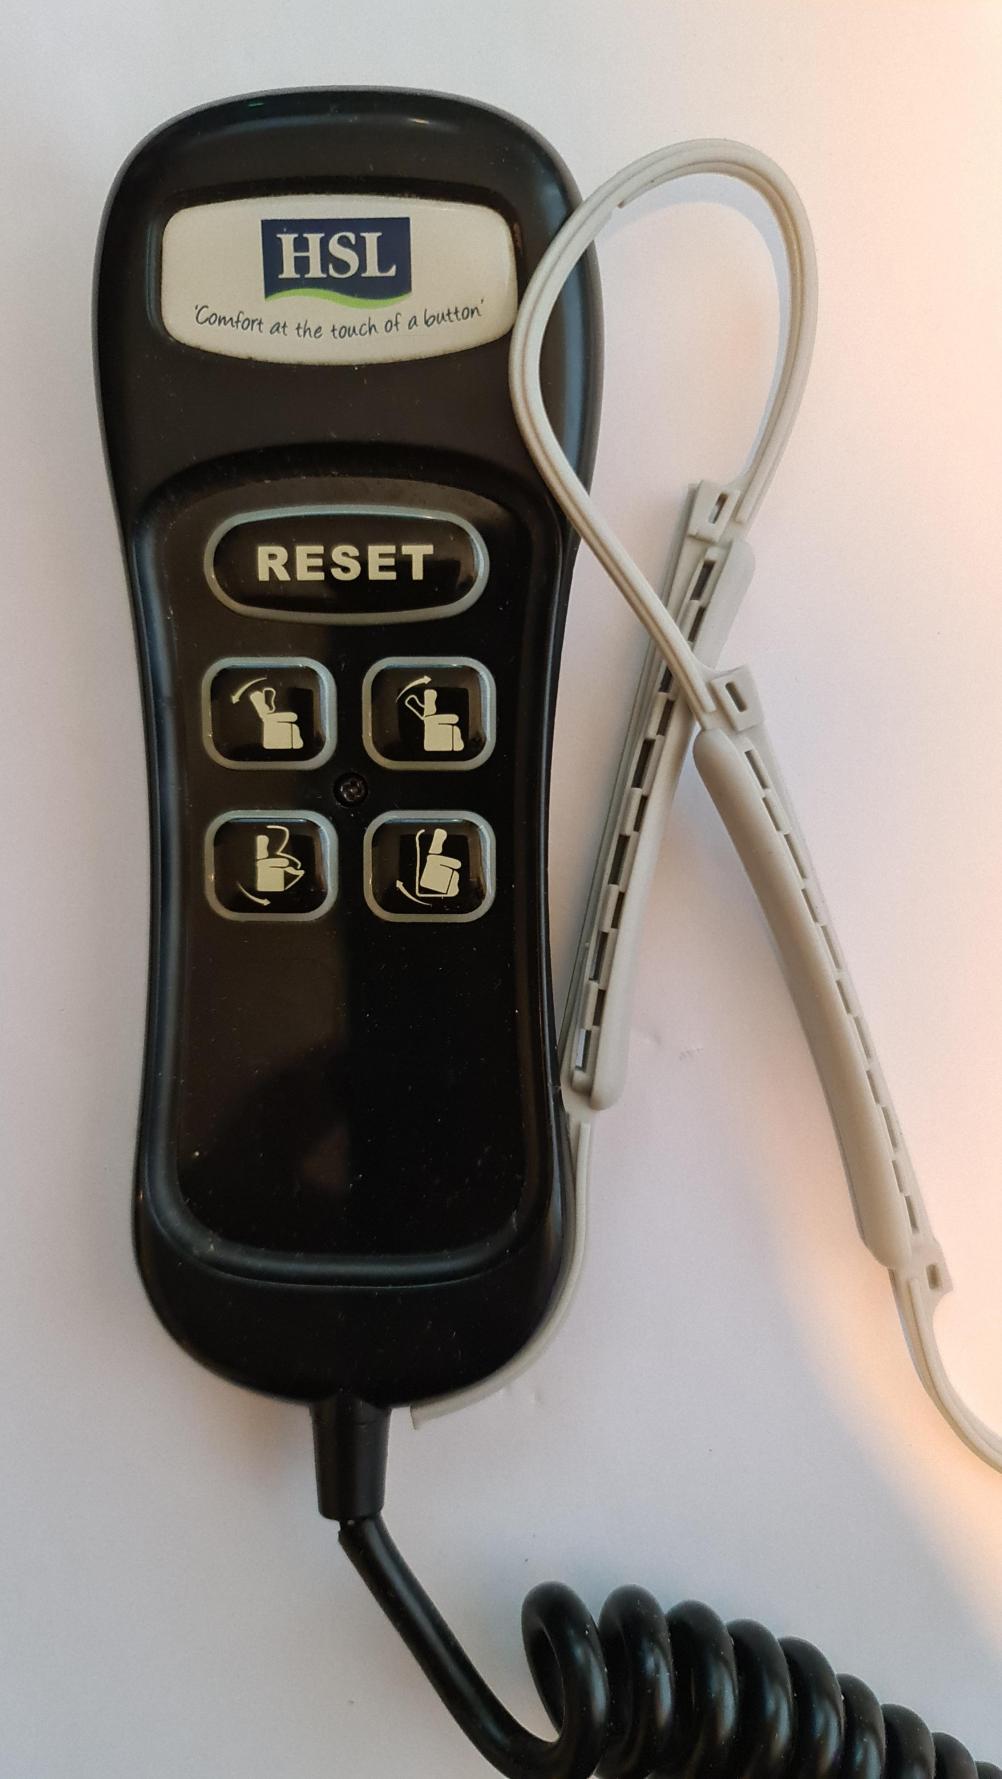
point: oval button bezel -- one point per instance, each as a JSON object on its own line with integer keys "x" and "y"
{"x": 409, "y": 614}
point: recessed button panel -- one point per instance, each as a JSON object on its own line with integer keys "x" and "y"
{"x": 268, "y": 713}
{"x": 431, "y": 715}
{"x": 433, "y": 866}
{"x": 270, "y": 865}
{"x": 347, "y": 564}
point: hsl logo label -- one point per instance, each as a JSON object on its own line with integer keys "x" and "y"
{"x": 362, "y": 261}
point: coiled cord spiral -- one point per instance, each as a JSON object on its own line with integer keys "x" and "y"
{"x": 644, "y": 1692}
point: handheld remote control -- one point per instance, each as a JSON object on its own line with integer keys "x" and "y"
{"x": 349, "y": 587}
{"x": 354, "y": 1182}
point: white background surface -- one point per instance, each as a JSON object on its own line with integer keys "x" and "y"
{"x": 731, "y": 1412}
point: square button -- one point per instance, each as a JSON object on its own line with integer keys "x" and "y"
{"x": 271, "y": 865}
{"x": 420, "y": 714}
{"x": 268, "y": 712}
{"x": 429, "y": 865}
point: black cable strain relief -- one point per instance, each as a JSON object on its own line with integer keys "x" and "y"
{"x": 350, "y": 1442}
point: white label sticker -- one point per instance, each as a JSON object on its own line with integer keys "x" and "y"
{"x": 346, "y": 278}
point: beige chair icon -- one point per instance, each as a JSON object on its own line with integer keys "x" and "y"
{"x": 442, "y": 728}
{"x": 436, "y": 874}
{"x": 280, "y": 731}
{"x": 278, "y": 870}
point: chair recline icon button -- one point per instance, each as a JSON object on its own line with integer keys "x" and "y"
{"x": 270, "y": 865}
{"x": 429, "y": 866}
{"x": 277, "y": 713}
{"x": 423, "y": 714}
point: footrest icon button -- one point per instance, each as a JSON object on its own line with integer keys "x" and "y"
{"x": 270, "y": 865}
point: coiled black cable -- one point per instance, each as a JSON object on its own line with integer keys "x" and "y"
{"x": 644, "y": 1692}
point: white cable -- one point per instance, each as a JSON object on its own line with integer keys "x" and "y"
{"x": 710, "y": 570}
{"x": 732, "y": 159}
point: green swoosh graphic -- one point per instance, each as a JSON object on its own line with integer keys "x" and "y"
{"x": 335, "y": 296}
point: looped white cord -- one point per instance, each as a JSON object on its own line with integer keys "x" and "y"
{"x": 737, "y": 764}
{"x": 708, "y": 574}
{"x": 733, "y": 160}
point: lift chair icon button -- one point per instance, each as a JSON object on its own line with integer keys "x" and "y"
{"x": 429, "y": 866}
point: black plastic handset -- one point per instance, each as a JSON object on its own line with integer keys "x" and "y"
{"x": 349, "y": 587}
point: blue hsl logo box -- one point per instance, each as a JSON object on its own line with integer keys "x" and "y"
{"x": 358, "y": 260}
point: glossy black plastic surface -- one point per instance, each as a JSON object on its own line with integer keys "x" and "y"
{"x": 352, "y": 1167}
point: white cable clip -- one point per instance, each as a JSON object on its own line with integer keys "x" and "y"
{"x": 737, "y": 764}
{"x": 710, "y": 571}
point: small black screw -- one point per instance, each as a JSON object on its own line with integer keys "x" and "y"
{"x": 350, "y": 789}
